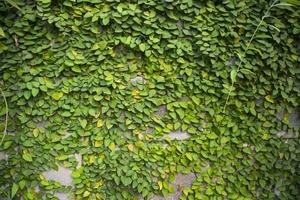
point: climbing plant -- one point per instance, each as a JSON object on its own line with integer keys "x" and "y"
{"x": 109, "y": 80}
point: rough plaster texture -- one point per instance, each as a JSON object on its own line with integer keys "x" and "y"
{"x": 178, "y": 135}
{"x": 162, "y": 110}
{"x": 79, "y": 160}
{"x": 181, "y": 181}
{"x": 61, "y": 195}
{"x": 294, "y": 122}
{"x": 3, "y": 156}
{"x": 294, "y": 119}
{"x": 138, "y": 79}
{"x": 62, "y": 175}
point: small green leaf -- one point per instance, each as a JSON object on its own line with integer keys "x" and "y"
{"x": 27, "y": 156}
{"x": 212, "y": 136}
{"x": 77, "y": 173}
{"x": 35, "y": 132}
{"x": 46, "y": 1}
{"x": 13, "y": 4}
{"x": 86, "y": 194}
{"x": 14, "y": 190}
{"x": 247, "y": 72}
{"x": 83, "y": 123}
{"x": 180, "y": 112}
{"x": 22, "y": 184}
{"x": 102, "y": 45}
{"x": 142, "y": 47}
{"x": 2, "y": 32}
{"x": 108, "y": 124}
{"x": 269, "y": 98}
{"x": 233, "y": 75}
{"x": 188, "y": 71}
{"x": 34, "y": 92}
{"x": 62, "y": 157}
{"x": 126, "y": 180}
{"x": 105, "y": 20}
{"x": 76, "y": 69}
{"x": 295, "y": 2}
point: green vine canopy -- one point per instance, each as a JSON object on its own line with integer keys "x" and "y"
{"x": 150, "y": 99}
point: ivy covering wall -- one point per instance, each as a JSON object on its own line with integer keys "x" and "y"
{"x": 109, "y": 80}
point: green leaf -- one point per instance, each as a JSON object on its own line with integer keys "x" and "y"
{"x": 180, "y": 112}
{"x": 22, "y": 184}
{"x": 247, "y": 72}
{"x": 269, "y": 98}
{"x": 108, "y": 124}
{"x": 209, "y": 192}
{"x": 34, "y": 92}
{"x": 46, "y": 1}
{"x": 76, "y": 69}
{"x": 105, "y": 20}
{"x": 196, "y": 100}
{"x": 188, "y": 71}
{"x": 142, "y": 47}
{"x": 7, "y": 144}
{"x": 109, "y": 76}
{"x": 189, "y": 156}
{"x": 212, "y": 136}
{"x": 126, "y": 180}
{"x": 102, "y": 45}
{"x": 14, "y": 190}
{"x": 62, "y": 157}
{"x": 92, "y": 112}
{"x": 35, "y": 132}
{"x": 295, "y": 2}
{"x": 13, "y": 4}
{"x": 233, "y": 75}
{"x": 27, "y": 156}
{"x": 77, "y": 173}
{"x": 2, "y": 32}
{"x": 83, "y": 123}
{"x": 86, "y": 194}
{"x": 252, "y": 109}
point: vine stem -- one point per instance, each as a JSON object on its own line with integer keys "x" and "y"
{"x": 247, "y": 48}
{"x": 6, "y": 116}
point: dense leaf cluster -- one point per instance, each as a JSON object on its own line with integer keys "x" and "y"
{"x": 110, "y": 79}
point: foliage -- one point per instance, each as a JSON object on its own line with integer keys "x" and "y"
{"x": 68, "y": 69}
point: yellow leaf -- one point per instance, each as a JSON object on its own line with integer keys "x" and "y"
{"x": 112, "y": 146}
{"x": 99, "y": 123}
{"x": 135, "y": 94}
{"x": 42, "y": 177}
{"x": 62, "y": 157}
{"x": 86, "y": 194}
{"x": 130, "y": 147}
{"x": 85, "y": 142}
{"x": 285, "y": 118}
{"x": 57, "y": 95}
{"x": 269, "y": 98}
{"x": 98, "y": 184}
{"x": 98, "y": 196}
{"x": 265, "y": 136}
{"x": 92, "y": 159}
{"x": 35, "y": 132}
{"x": 2, "y": 32}
{"x": 74, "y": 53}
{"x": 98, "y": 143}
{"x": 140, "y": 136}
{"x": 160, "y": 185}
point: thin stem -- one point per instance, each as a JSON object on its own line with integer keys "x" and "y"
{"x": 6, "y": 116}
{"x": 247, "y": 48}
